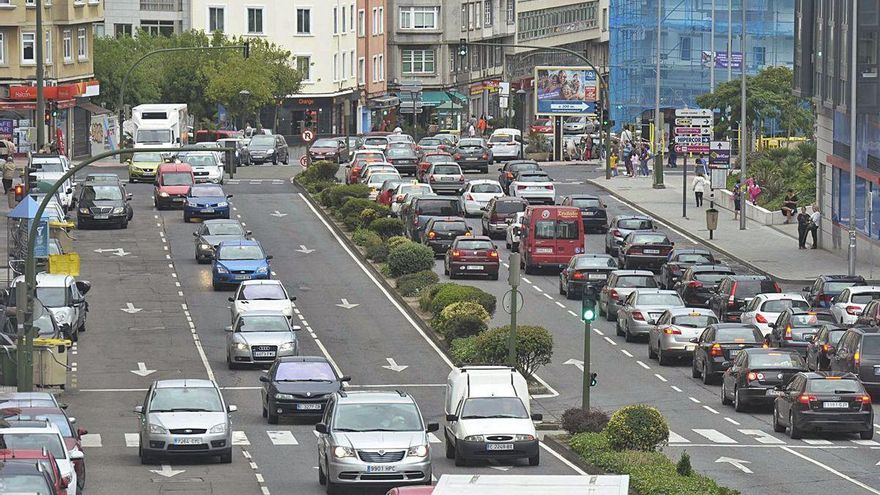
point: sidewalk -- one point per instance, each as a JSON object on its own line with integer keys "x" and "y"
{"x": 771, "y": 250}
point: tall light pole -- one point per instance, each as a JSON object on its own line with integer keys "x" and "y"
{"x": 658, "y": 126}
{"x": 729, "y": 40}
{"x": 712, "y": 50}
{"x": 40, "y": 119}
{"x": 743, "y": 128}
{"x": 851, "y": 250}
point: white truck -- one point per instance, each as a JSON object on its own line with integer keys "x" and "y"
{"x": 543, "y": 484}
{"x": 488, "y": 416}
{"x": 158, "y": 125}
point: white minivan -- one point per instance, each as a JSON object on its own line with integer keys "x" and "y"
{"x": 488, "y": 415}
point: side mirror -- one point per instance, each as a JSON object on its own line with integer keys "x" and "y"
{"x": 227, "y": 328}
{"x": 295, "y": 328}
{"x": 83, "y": 286}
{"x": 293, "y": 298}
{"x": 195, "y": 234}
{"x": 806, "y": 289}
{"x": 432, "y": 427}
{"x": 537, "y": 417}
{"x": 248, "y": 233}
{"x": 694, "y": 340}
{"x": 230, "y": 299}
{"x": 726, "y": 364}
{"x": 229, "y": 196}
{"x": 138, "y": 409}
{"x": 73, "y": 421}
{"x": 231, "y": 408}
{"x": 345, "y": 379}
{"x": 77, "y": 455}
{"x": 269, "y": 257}
{"x": 82, "y": 431}
{"x": 771, "y": 325}
{"x": 265, "y": 378}
{"x": 321, "y": 428}
{"x": 451, "y": 417}
{"x": 129, "y": 196}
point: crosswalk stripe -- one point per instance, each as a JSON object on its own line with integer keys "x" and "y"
{"x": 868, "y": 443}
{"x": 132, "y": 440}
{"x": 762, "y": 436}
{"x": 282, "y": 437}
{"x": 91, "y": 440}
{"x": 432, "y": 438}
{"x": 240, "y": 438}
{"x": 816, "y": 441}
{"x": 676, "y": 438}
{"x": 714, "y": 435}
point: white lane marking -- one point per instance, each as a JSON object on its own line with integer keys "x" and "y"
{"x": 329, "y": 358}
{"x": 610, "y": 341}
{"x": 282, "y": 437}
{"x": 598, "y": 331}
{"x": 660, "y": 377}
{"x": 132, "y": 440}
{"x": 831, "y": 470}
{"x": 572, "y": 313}
{"x": 675, "y": 388}
{"x": 714, "y": 435}
{"x": 537, "y": 288}
{"x": 668, "y": 226}
{"x": 694, "y": 400}
{"x": 713, "y": 411}
{"x": 676, "y": 438}
{"x": 560, "y": 304}
{"x": 762, "y": 436}
{"x": 260, "y": 478}
{"x": 563, "y": 459}
{"x": 816, "y": 441}
{"x": 432, "y": 438}
{"x": 264, "y": 490}
{"x": 867, "y": 443}
{"x": 91, "y": 440}
{"x": 526, "y": 280}
{"x": 731, "y": 421}
{"x": 548, "y": 296}
{"x": 626, "y": 353}
{"x": 253, "y": 465}
{"x": 240, "y": 438}
{"x": 643, "y": 365}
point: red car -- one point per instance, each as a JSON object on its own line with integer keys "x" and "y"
{"x": 471, "y": 256}
{"x": 42, "y": 457}
{"x": 542, "y": 126}
{"x": 429, "y": 159}
{"x": 353, "y": 174}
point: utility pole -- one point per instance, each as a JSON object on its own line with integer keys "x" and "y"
{"x": 588, "y": 314}
{"x": 712, "y": 50}
{"x": 729, "y": 40}
{"x": 658, "y": 129}
{"x": 513, "y": 279}
{"x": 854, "y": 74}
{"x": 40, "y": 119}
{"x": 743, "y": 135}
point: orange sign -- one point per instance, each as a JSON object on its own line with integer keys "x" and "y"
{"x": 60, "y": 92}
{"x": 568, "y": 213}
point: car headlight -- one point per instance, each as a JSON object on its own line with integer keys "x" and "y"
{"x": 204, "y": 246}
{"x": 84, "y": 211}
{"x": 269, "y": 152}
{"x": 222, "y": 269}
{"x": 475, "y": 438}
{"x": 417, "y": 451}
{"x": 241, "y": 346}
{"x": 163, "y": 194}
{"x": 262, "y": 269}
{"x": 221, "y": 428}
{"x": 222, "y": 204}
{"x": 154, "y": 428}
{"x": 118, "y": 210}
{"x": 284, "y": 396}
{"x": 523, "y": 438}
{"x": 287, "y": 346}
{"x": 340, "y": 452}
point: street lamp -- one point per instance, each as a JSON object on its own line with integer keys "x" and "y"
{"x": 245, "y": 96}
{"x": 521, "y": 94}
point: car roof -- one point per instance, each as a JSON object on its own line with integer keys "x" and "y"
{"x": 631, "y": 217}
{"x": 483, "y": 181}
{"x": 824, "y": 375}
{"x": 447, "y": 219}
{"x": 583, "y": 196}
{"x": 686, "y": 311}
{"x": 651, "y": 290}
{"x": 773, "y": 296}
{"x": 27, "y": 396}
{"x": 221, "y": 220}
{"x": 375, "y": 397}
{"x": 737, "y": 278}
{"x": 691, "y": 251}
{"x": 633, "y": 272}
{"x": 841, "y": 278}
{"x": 711, "y": 268}
{"x": 184, "y": 383}
{"x": 864, "y": 288}
{"x": 592, "y": 255}
{"x": 261, "y": 312}
{"x": 240, "y": 242}
{"x": 262, "y": 282}
{"x": 734, "y": 325}
{"x": 811, "y": 311}
{"x": 302, "y": 359}
{"x": 769, "y": 350}
{"x": 30, "y": 430}
{"x": 53, "y": 279}
{"x": 24, "y": 454}
{"x": 474, "y": 238}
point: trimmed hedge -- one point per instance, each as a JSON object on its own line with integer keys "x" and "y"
{"x": 362, "y": 236}
{"x": 534, "y": 347}
{"x": 320, "y": 171}
{"x": 396, "y": 241}
{"x": 317, "y": 187}
{"x": 577, "y": 420}
{"x": 427, "y": 295}
{"x": 650, "y": 473}
{"x": 388, "y": 227}
{"x": 376, "y": 250}
{"x": 413, "y": 283}
{"x": 637, "y": 427}
{"x": 410, "y": 258}
{"x": 452, "y": 293}
{"x": 461, "y": 319}
{"x": 464, "y": 351}
{"x": 336, "y": 196}
{"x": 367, "y": 216}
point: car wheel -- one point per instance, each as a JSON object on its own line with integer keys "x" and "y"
{"x": 628, "y": 336}
{"x": 535, "y": 459}
{"x": 610, "y": 315}
{"x": 216, "y": 286}
{"x": 651, "y": 353}
{"x": 695, "y": 373}
{"x": 275, "y": 160}
{"x": 793, "y": 431}
{"x": 494, "y": 276}
{"x": 663, "y": 359}
{"x": 226, "y": 457}
{"x": 272, "y": 418}
{"x": 146, "y": 458}
{"x": 322, "y": 477}
{"x": 124, "y": 224}
{"x": 459, "y": 460}
{"x": 186, "y": 219}
{"x": 265, "y": 412}
{"x": 707, "y": 377}
{"x": 561, "y": 290}
{"x": 724, "y": 400}
{"x": 450, "y": 449}
{"x": 777, "y": 427}
{"x": 739, "y": 404}
{"x": 332, "y": 488}
{"x": 618, "y": 329}
{"x": 867, "y": 435}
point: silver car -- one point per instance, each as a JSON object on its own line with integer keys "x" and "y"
{"x": 258, "y": 337}
{"x": 445, "y": 177}
{"x": 261, "y": 295}
{"x": 184, "y": 417}
{"x": 641, "y": 309}
{"x": 620, "y": 226}
{"x": 619, "y": 285}
{"x": 670, "y": 337}
{"x": 212, "y": 232}
{"x": 373, "y": 438}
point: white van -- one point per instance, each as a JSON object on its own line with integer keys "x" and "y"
{"x": 506, "y": 144}
{"x": 488, "y": 415}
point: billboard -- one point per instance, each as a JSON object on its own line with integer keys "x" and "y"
{"x": 721, "y": 60}
{"x": 566, "y": 91}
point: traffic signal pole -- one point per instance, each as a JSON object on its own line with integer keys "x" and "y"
{"x": 585, "y": 394}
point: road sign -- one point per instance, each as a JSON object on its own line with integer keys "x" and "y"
{"x": 693, "y": 112}
{"x": 304, "y": 161}
{"x": 504, "y": 88}
{"x": 411, "y": 86}
{"x": 41, "y": 246}
{"x": 307, "y": 135}
{"x": 693, "y": 130}
{"x": 694, "y": 121}
{"x": 719, "y": 156}
{"x": 566, "y": 91}
{"x": 502, "y": 102}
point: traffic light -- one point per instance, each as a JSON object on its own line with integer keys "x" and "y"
{"x": 594, "y": 379}
{"x": 54, "y": 107}
{"x": 47, "y": 118}
{"x": 462, "y": 47}
{"x": 588, "y": 306}
{"x": 247, "y": 50}
{"x": 607, "y": 123}
{"x": 19, "y": 192}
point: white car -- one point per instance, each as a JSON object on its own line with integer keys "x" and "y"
{"x": 261, "y": 295}
{"x": 763, "y": 309}
{"x": 205, "y": 166}
{"x": 478, "y": 193}
{"x": 405, "y": 191}
{"x": 379, "y": 143}
{"x": 536, "y": 187}
{"x": 49, "y": 438}
{"x": 49, "y": 168}
{"x": 375, "y": 181}
{"x": 505, "y": 144}
{"x": 514, "y": 230}
{"x": 847, "y": 307}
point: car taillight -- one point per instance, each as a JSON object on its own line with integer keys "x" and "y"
{"x": 675, "y": 269}
{"x": 671, "y": 331}
{"x": 853, "y": 310}
{"x": 826, "y": 298}
{"x": 760, "y": 318}
{"x": 865, "y": 399}
{"x": 695, "y": 284}
{"x": 755, "y": 376}
{"x": 614, "y": 295}
{"x": 458, "y": 156}
{"x": 485, "y": 156}
{"x": 509, "y": 175}
{"x": 548, "y": 187}
{"x": 787, "y": 335}
{"x": 461, "y": 178}
{"x": 577, "y": 276}
{"x": 456, "y": 253}
{"x": 468, "y": 233}
{"x": 776, "y": 287}
{"x": 493, "y": 254}
{"x": 715, "y": 350}
{"x": 432, "y": 179}
{"x": 806, "y": 399}
{"x": 637, "y": 315}
{"x": 468, "y": 197}
{"x": 616, "y": 233}
{"x": 825, "y": 347}
{"x": 432, "y": 234}
{"x": 520, "y": 187}
{"x": 857, "y": 358}
{"x": 731, "y": 301}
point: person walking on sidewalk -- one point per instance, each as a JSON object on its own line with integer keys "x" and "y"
{"x": 789, "y": 205}
{"x": 803, "y": 221}
{"x": 815, "y": 218}
{"x": 644, "y": 156}
{"x": 737, "y": 198}
{"x": 613, "y": 164}
{"x": 9, "y": 173}
{"x": 699, "y": 185}
{"x": 673, "y": 157}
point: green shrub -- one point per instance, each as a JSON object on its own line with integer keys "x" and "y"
{"x": 320, "y": 171}
{"x": 577, "y": 420}
{"x": 464, "y": 351}
{"x": 362, "y": 236}
{"x": 413, "y": 283}
{"x": 387, "y": 227}
{"x": 452, "y": 293}
{"x": 367, "y": 216}
{"x": 637, "y": 427}
{"x": 461, "y": 319}
{"x": 376, "y": 250}
{"x": 337, "y": 196}
{"x": 534, "y": 347}
{"x": 318, "y": 188}
{"x": 410, "y": 258}
{"x": 683, "y": 467}
{"x": 396, "y": 241}
{"x": 428, "y": 294}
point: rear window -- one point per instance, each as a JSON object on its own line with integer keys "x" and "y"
{"x": 835, "y": 335}
{"x": 636, "y": 281}
{"x": 450, "y": 227}
{"x": 751, "y": 288}
{"x": 437, "y": 158}
{"x": 649, "y": 239}
{"x": 376, "y": 141}
{"x": 739, "y": 334}
{"x": 835, "y": 386}
{"x": 780, "y": 305}
{"x": 325, "y": 143}
{"x": 711, "y": 277}
{"x": 475, "y": 245}
{"x": 697, "y": 259}
{"x": 533, "y": 178}
{"x": 438, "y": 207}
{"x": 635, "y": 224}
{"x": 659, "y": 300}
{"x": 586, "y": 203}
{"x": 594, "y": 262}
{"x": 864, "y": 298}
{"x": 470, "y": 142}
{"x": 519, "y": 167}
{"x": 806, "y": 320}
{"x": 775, "y": 360}
{"x": 501, "y": 138}
{"x": 509, "y": 206}
{"x": 694, "y": 321}
{"x": 403, "y": 151}
{"x": 836, "y": 287}
{"x": 557, "y": 229}
{"x": 486, "y": 188}
{"x": 447, "y": 170}
{"x": 871, "y": 345}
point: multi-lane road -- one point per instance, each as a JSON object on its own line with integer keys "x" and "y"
{"x": 154, "y": 315}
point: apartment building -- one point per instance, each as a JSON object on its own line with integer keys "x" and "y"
{"x": 375, "y": 101}
{"x": 156, "y": 17}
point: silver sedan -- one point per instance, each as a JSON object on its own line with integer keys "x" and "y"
{"x": 641, "y": 308}
{"x": 670, "y": 337}
{"x": 258, "y": 337}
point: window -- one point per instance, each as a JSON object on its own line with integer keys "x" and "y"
{"x": 684, "y": 48}
{"x": 362, "y": 68}
{"x": 351, "y": 61}
{"x": 335, "y": 66}
{"x": 351, "y": 17}
{"x": 511, "y": 11}
{"x": 419, "y": 17}
{"x": 48, "y": 39}
{"x": 604, "y": 20}
{"x": 28, "y": 47}
{"x": 344, "y": 54}
{"x": 362, "y": 23}
{"x": 81, "y": 48}
{"x": 255, "y": 20}
{"x": 553, "y": 21}
{"x": 470, "y": 15}
{"x": 67, "y": 44}
{"x": 343, "y": 18}
{"x": 100, "y": 30}
{"x": 158, "y": 28}
{"x": 303, "y": 21}
{"x": 375, "y": 71}
{"x": 464, "y": 17}
{"x": 381, "y": 28}
{"x": 2, "y": 48}
{"x": 303, "y": 65}
{"x": 120, "y": 30}
{"x": 759, "y": 55}
{"x": 478, "y": 14}
{"x": 375, "y": 22}
{"x": 381, "y": 67}
{"x": 418, "y": 61}
{"x": 215, "y": 19}
{"x": 335, "y": 21}
{"x": 487, "y": 21}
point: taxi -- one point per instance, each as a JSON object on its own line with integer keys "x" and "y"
{"x": 142, "y": 166}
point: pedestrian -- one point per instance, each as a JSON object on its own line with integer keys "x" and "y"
{"x": 482, "y": 124}
{"x": 472, "y": 132}
{"x": 753, "y": 189}
{"x": 626, "y": 136}
{"x": 248, "y": 130}
{"x": 803, "y": 221}
{"x": 398, "y": 130}
{"x": 737, "y": 198}
{"x": 644, "y": 156}
{"x": 673, "y": 157}
{"x": 628, "y": 164}
{"x": 699, "y": 185}
{"x": 815, "y": 218}
{"x": 9, "y": 172}
{"x": 789, "y": 205}
{"x": 613, "y": 164}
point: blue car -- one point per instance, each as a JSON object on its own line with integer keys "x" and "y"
{"x": 206, "y": 201}
{"x": 237, "y": 261}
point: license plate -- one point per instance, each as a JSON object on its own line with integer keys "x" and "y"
{"x": 544, "y": 250}
{"x": 589, "y": 213}
{"x": 876, "y": 370}
{"x": 471, "y": 158}
{"x": 177, "y": 200}
{"x": 188, "y": 441}
{"x": 446, "y": 179}
{"x": 308, "y": 407}
{"x": 208, "y": 210}
{"x": 835, "y": 405}
{"x": 242, "y": 277}
{"x": 597, "y": 276}
{"x": 102, "y": 217}
{"x": 499, "y": 446}
{"x": 690, "y": 347}
{"x": 381, "y": 469}
{"x": 264, "y": 354}
{"x": 652, "y": 251}
{"x": 732, "y": 354}
{"x": 474, "y": 267}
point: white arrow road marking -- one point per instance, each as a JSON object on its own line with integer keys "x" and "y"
{"x": 91, "y": 440}
{"x": 762, "y": 436}
{"x": 393, "y": 366}
{"x": 432, "y": 438}
{"x": 714, "y": 436}
{"x": 303, "y": 249}
{"x": 130, "y": 309}
{"x": 576, "y": 362}
{"x": 115, "y": 251}
{"x": 167, "y": 472}
{"x": 132, "y": 440}
{"x": 347, "y": 305}
{"x": 278, "y": 214}
{"x": 142, "y": 370}
{"x": 239, "y": 438}
{"x": 867, "y": 443}
{"x": 282, "y": 437}
{"x": 737, "y": 463}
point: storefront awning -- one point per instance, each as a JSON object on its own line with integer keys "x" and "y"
{"x": 387, "y": 101}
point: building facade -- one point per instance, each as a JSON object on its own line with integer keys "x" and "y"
{"x": 823, "y": 72}
{"x": 375, "y": 102}
{"x": 156, "y": 17}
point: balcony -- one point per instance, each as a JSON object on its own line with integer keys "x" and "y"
{"x": 76, "y": 11}
{"x": 161, "y": 5}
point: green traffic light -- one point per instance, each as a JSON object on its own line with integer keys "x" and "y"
{"x": 589, "y": 315}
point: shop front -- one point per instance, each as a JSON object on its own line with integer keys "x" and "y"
{"x": 325, "y": 115}
{"x": 484, "y": 100}
{"x": 379, "y": 112}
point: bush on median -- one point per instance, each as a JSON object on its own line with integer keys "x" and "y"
{"x": 452, "y": 293}
{"x": 320, "y": 171}
{"x": 464, "y": 351}
{"x": 577, "y": 420}
{"x": 337, "y": 196}
{"x": 410, "y": 258}
{"x": 387, "y": 228}
{"x": 637, "y": 427}
{"x": 429, "y": 293}
{"x": 362, "y": 236}
{"x": 316, "y": 188}
{"x": 413, "y": 283}
{"x": 376, "y": 250}
{"x": 396, "y": 241}
{"x": 461, "y": 319}
{"x": 534, "y": 347}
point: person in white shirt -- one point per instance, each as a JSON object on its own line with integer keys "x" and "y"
{"x": 815, "y": 218}
{"x": 700, "y": 185}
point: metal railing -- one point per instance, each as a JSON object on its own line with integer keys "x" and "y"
{"x": 161, "y": 5}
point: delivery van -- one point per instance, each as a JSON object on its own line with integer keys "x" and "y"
{"x": 550, "y": 236}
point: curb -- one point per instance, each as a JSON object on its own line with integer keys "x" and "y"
{"x": 702, "y": 241}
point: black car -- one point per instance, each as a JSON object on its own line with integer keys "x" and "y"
{"x": 329, "y": 149}
{"x": 441, "y": 231}
{"x": 585, "y": 270}
{"x": 698, "y": 282}
{"x": 404, "y": 159}
{"x": 734, "y": 293}
{"x": 719, "y": 345}
{"x": 212, "y": 232}
{"x": 422, "y": 208}
{"x": 644, "y": 249}
{"x": 298, "y": 386}
{"x": 103, "y": 204}
{"x": 823, "y": 402}
{"x": 510, "y": 169}
{"x": 826, "y": 287}
{"x": 756, "y": 371}
{"x": 794, "y": 328}
{"x": 679, "y": 261}
{"x": 822, "y": 347}
{"x": 593, "y": 211}
{"x": 267, "y": 148}
{"x": 858, "y": 351}
{"x": 473, "y": 154}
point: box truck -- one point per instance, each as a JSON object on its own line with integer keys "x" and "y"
{"x": 160, "y": 125}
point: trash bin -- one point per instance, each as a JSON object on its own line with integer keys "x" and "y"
{"x": 8, "y": 368}
{"x": 711, "y": 219}
{"x": 50, "y": 362}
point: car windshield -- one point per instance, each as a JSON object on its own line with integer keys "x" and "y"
{"x": 268, "y": 323}
{"x": 474, "y": 245}
{"x": 501, "y": 138}
{"x": 694, "y": 320}
{"x": 147, "y": 157}
{"x": 52, "y": 297}
{"x": 450, "y": 227}
{"x": 736, "y": 334}
{"x": 438, "y": 158}
{"x": 34, "y": 441}
{"x": 510, "y": 206}
{"x": 486, "y": 188}
{"x": 45, "y": 327}
{"x": 101, "y": 193}
{"x": 262, "y": 140}
{"x": 400, "y": 151}
{"x": 301, "y": 371}
{"x": 775, "y": 360}
{"x": 835, "y": 335}
{"x": 376, "y": 141}
{"x": 447, "y": 170}
{"x": 831, "y": 288}
{"x": 804, "y": 320}
{"x": 595, "y": 262}
{"x": 711, "y": 277}
{"x": 59, "y": 420}
{"x": 207, "y": 192}
{"x": 586, "y": 202}
{"x": 49, "y": 167}
{"x": 430, "y": 142}
{"x": 835, "y": 386}
{"x": 225, "y": 228}
{"x": 533, "y": 178}
{"x": 659, "y": 300}
{"x": 649, "y": 239}
{"x": 413, "y": 189}
{"x": 780, "y": 305}
{"x": 261, "y": 292}
{"x": 749, "y": 288}
{"x": 636, "y": 281}
{"x": 196, "y": 399}
{"x": 199, "y": 160}
{"x": 697, "y": 259}
{"x": 177, "y": 179}
{"x": 377, "y": 417}
{"x": 521, "y": 167}
{"x": 635, "y": 224}
{"x": 470, "y": 143}
{"x": 153, "y": 136}
{"x": 864, "y": 297}
{"x": 438, "y": 207}
{"x": 493, "y": 407}
{"x": 25, "y": 484}
{"x": 241, "y": 253}
{"x": 325, "y": 143}
{"x": 378, "y": 179}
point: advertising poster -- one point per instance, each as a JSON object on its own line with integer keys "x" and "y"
{"x": 565, "y": 91}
